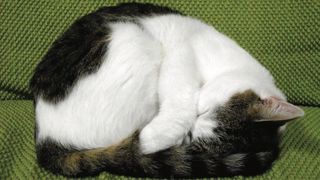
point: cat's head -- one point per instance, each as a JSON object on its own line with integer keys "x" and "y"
{"x": 246, "y": 137}
{"x": 248, "y": 106}
{"x": 250, "y": 123}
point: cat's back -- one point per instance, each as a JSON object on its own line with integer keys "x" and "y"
{"x": 98, "y": 77}
{"x": 80, "y": 49}
{"x": 213, "y": 52}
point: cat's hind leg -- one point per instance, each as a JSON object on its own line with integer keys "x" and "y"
{"x": 178, "y": 86}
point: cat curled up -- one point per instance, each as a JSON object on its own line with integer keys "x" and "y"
{"x": 142, "y": 90}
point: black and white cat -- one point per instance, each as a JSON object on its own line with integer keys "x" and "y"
{"x": 143, "y": 90}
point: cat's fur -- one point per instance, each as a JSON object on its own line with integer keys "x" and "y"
{"x": 190, "y": 96}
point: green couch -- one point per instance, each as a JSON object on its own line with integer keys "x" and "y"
{"x": 282, "y": 35}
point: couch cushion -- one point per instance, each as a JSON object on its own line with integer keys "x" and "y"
{"x": 299, "y": 158}
{"x": 283, "y": 35}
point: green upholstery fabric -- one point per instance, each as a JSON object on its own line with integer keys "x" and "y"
{"x": 282, "y": 35}
{"x": 299, "y": 158}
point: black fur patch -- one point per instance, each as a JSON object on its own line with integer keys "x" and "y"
{"x": 48, "y": 153}
{"x": 80, "y": 49}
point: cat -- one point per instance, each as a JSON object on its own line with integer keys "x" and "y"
{"x": 143, "y": 90}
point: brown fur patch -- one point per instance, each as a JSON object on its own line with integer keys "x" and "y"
{"x": 247, "y": 101}
{"x": 247, "y": 96}
{"x": 71, "y": 163}
{"x": 75, "y": 162}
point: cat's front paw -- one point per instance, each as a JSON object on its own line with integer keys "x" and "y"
{"x": 154, "y": 138}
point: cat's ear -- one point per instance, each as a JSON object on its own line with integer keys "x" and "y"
{"x": 274, "y": 109}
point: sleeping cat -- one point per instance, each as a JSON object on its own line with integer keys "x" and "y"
{"x": 142, "y": 90}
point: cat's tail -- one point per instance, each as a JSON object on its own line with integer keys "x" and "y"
{"x": 126, "y": 159}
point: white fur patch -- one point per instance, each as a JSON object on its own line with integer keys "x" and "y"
{"x": 203, "y": 128}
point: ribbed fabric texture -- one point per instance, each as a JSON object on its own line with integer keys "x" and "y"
{"x": 299, "y": 158}
{"x": 283, "y": 35}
